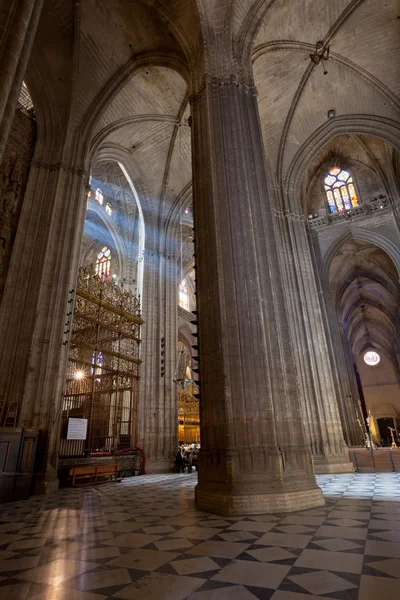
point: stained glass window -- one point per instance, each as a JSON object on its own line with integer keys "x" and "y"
{"x": 340, "y": 191}
{"x": 108, "y": 209}
{"x": 97, "y": 363}
{"x": 184, "y": 295}
{"x": 371, "y": 358}
{"x": 103, "y": 263}
{"x": 99, "y": 196}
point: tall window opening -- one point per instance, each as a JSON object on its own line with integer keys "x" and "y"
{"x": 340, "y": 190}
{"x": 99, "y": 196}
{"x": 184, "y": 295}
{"x": 103, "y": 263}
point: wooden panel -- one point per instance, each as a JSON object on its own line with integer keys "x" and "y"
{"x": 28, "y": 455}
{"x": 4, "y": 450}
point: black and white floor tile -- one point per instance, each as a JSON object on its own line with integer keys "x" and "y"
{"x": 144, "y": 539}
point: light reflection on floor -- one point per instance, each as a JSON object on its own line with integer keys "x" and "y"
{"x": 144, "y": 539}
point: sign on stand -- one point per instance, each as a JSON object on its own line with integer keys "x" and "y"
{"x": 77, "y": 429}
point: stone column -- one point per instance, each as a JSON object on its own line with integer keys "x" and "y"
{"x": 170, "y": 389}
{"x": 341, "y": 361}
{"x": 254, "y": 457}
{"x": 19, "y": 22}
{"x": 38, "y": 300}
{"x": 350, "y": 406}
{"x": 319, "y": 402}
{"x": 158, "y": 427}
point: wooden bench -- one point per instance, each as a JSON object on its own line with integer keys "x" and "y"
{"x": 92, "y": 474}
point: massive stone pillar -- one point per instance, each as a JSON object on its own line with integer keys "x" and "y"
{"x": 341, "y": 361}
{"x": 38, "y": 302}
{"x": 158, "y": 426}
{"x": 254, "y": 456}
{"x": 18, "y": 24}
{"x": 319, "y": 400}
{"x": 349, "y": 404}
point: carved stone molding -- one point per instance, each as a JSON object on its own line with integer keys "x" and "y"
{"x": 214, "y": 83}
{"x": 286, "y": 214}
{"x": 370, "y": 206}
{"x": 60, "y": 166}
{"x": 161, "y": 254}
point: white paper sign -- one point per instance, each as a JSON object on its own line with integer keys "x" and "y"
{"x": 77, "y": 429}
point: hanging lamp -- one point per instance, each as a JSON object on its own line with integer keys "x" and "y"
{"x": 180, "y": 377}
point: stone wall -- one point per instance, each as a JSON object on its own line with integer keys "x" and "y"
{"x": 381, "y": 387}
{"x": 14, "y": 171}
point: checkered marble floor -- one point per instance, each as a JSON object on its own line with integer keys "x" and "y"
{"x": 144, "y": 539}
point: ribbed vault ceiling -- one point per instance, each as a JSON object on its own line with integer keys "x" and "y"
{"x": 295, "y": 96}
{"x": 145, "y": 110}
{"x": 365, "y": 288}
{"x": 86, "y": 58}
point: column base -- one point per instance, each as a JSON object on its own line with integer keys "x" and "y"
{"x": 154, "y": 466}
{"x": 325, "y": 465}
{"x": 232, "y": 503}
{"x": 46, "y": 485}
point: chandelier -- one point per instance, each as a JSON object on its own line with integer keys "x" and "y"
{"x": 320, "y": 54}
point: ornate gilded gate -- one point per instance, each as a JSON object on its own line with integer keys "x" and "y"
{"x": 101, "y": 389}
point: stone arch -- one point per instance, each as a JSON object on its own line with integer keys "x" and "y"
{"x": 361, "y": 234}
{"x": 252, "y": 23}
{"x": 357, "y": 169}
{"x": 44, "y": 102}
{"x": 182, "y": 201}
{"x": 175, "y": 218}
{"x": 191, "y": 287}
{"x": 375, "y": 126}
{"x": 175, "y": 23}
{"x": 124, "y": 160}
{"x": 105, "y": 97}
{"x": 185, "y": 337}
{"x": 115, "y": 238}
{"x": 373, "y": 278}
{"x": 361, "y": 279}
{"x": 102, "y": 135}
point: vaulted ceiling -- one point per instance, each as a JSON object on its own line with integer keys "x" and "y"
{"x": 362, "y": 71}
{"x": 120, "y": 68}
{"x": 366, "y": 291}
{"x": 121, "y": 231}
{"x": 92, "y": 52}
{"x": 369, "y": 159}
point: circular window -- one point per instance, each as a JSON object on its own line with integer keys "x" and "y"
{"x": 371, "y": 358}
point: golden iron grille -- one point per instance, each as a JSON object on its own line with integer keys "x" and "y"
{"x": 103, "y": 367}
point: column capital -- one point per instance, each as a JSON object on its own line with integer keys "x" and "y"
{"x": 286, "y": 214}
{"x": 60, "y": 166}
{"x": 213, "y": 83}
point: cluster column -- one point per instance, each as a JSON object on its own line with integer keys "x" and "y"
{"x": 254, "y": 456}
{"x": 19, "y": 22}
{"x": 350, "y": 405}
{"x": 38, "y": 302}
{"x": 321, "y": 415}
{"x": 341, "y": 361}
{"x": 158, "y": 425}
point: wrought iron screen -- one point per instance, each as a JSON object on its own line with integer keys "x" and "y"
{"x": 103, "y": 367}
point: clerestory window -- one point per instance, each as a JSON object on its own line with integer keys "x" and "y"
{"x": 340, "y": 190}
{"x": 103, "y": 263}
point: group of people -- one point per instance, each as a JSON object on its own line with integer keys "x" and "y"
{"x": 186, "y": 458}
